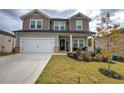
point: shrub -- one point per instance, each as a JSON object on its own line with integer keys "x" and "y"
{"x": 84, "y": 49}
{"x": 119, "y": 58}
{"x": 98, "y": 50}
{"x": 87, "y": 57}
{"x": 105, "y": 53}
{"x": 84, "y": 57}
{"x": 78, "y": 51}
{"x": 72, "y": 55}
{"x": 100, "y": 58}
{"x": 92, "y": 54}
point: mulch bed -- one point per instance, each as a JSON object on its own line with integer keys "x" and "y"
{"x": 111, "y": 74}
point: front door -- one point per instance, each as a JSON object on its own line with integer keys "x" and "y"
{"x": 62, "y": 44}
{"x": 67, "y": 46}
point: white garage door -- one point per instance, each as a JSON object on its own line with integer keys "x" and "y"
{"x": 37, "y": 45}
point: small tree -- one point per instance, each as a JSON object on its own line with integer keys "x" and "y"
{"x": 106, "y": 21}
{"x": 112, "y": 37}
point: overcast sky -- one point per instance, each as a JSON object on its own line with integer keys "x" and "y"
{"x": 10, "y": 21}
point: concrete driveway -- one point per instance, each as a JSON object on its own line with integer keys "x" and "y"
{"x": 22, "y": 68}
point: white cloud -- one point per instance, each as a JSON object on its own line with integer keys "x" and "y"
{"x": 10, "y": 20}
{"x": 9, "y": 24}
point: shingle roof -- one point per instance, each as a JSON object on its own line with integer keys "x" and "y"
{"x": 59, "y": 19}
{"x": 6, "y": 33}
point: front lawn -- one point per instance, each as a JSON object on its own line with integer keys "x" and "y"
{"x": 64, "y": 70}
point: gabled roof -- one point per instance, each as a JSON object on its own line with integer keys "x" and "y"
{"x": 32, "y": 12}
{"x": 80, "y": 14}
{"x": 6, "y": 33}
{"x": 41, "y": 13}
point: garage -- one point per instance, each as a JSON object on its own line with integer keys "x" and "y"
{"x": 37, "y": 45}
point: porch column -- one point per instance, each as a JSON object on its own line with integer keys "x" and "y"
{"x": 86, "y": 41}
{"x": 57, "y": 41}
{"x": 70, "y": 43}
{"x": 56, "y": 48}
{"x": 87, "y": 44}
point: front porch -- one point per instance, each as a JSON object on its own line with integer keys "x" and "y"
{"x": 70, "y": 43}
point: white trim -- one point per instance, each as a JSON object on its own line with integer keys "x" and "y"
{"x": 36, "y": 20}
{"x": 82, "y": 15}
{"x": 81, "y": 24}
{"x": 59, "y": 24}
{"x": 71, "y": 44}
{"x": 57, "y": 41}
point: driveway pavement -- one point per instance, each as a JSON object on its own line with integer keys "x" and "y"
{"x": 22, "y": 68}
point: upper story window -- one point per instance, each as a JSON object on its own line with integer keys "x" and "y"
{"x": 36, "y": 24}
{"x": 59, "y": 25}
{"x": 79, "y": 25}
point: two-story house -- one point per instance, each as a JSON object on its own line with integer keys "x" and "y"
{"x": 41, "y": 33}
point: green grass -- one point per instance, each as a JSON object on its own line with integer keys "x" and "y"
{"x": 64, "y": 70}
{"x": 5, "y": 53}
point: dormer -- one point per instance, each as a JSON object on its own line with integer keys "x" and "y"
{"x": 35, "y": 20}
{"x": 79, "y": 22}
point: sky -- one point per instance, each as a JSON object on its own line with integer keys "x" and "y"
{"x": 10, "y": 18}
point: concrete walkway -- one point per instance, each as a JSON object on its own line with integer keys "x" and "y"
{"x": 22, "y": 68}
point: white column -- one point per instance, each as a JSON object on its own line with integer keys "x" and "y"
{"x": 70, "y": 43}
{"x": 92, "y": 45}
{"x": 86, "y": 41}
{"x": 57, "y": 41}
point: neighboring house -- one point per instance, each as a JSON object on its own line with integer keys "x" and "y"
{"x": 41, "y": 33}
{"x": 7, "y": 41}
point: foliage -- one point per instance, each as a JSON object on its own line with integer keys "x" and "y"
{"x": 116, "y": 38}
{"x": 72, "y": 55}
{"x": 78, "y": 51}
{"x": 5, "y": 53}
{"x": 98, "y": 50}
{"x": 100, "y": 58}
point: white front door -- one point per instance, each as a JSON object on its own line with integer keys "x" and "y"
{"x": 37, "y": 45}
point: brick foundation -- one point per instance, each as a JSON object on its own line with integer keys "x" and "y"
{"x": 56, "y": 49}
{"x": 17, "y": 49}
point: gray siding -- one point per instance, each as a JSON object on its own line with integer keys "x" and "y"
{"x": 8, "y": 42}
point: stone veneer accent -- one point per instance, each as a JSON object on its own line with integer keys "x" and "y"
{"x": 17, "y": 49}
{"x": 56, "y": 49}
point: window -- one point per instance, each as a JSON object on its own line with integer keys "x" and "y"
{"x": 62, "y": 25}
{"x": 56, "y": 25}
{"x": 36, "y": 24}
{"x": 59, "y": 25}
{"x": 78, "y": 24}
{"x": 32, "y": 24}
{"x": 80, "y": 43}
{"x": 75, "y": 43}
{"x": 39, "y": 24}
